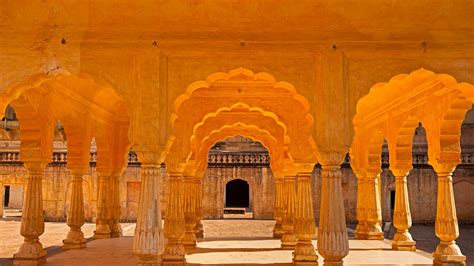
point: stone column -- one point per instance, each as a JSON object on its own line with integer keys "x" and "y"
{"x": 174, "y": 222}
{"x": 75, "y": 217}
{"x": 198, "y": 229}
{"x": 102, "y": 222}
{"x": 373, "y": 211}
{"x": 361, "y": 229}
{"x": 333, "y": 243}
{"x": 148, "y": 240}
{"x": 189, "y": 240}
{"x": 401, "y": 214}
{"x": 447, "y": 252}
{"x": 1, "y": 199}
{"x": 32, "y": 223}
{"x": 288, "y": 239}
{"x": 278, "y": 209}
{"x": 114, "y": 204}
{"x": 305, "y": 228}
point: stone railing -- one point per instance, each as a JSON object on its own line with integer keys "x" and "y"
{"x": 232, "y": 159}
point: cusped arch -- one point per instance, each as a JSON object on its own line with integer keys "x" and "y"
{"x": 260, "y": 90}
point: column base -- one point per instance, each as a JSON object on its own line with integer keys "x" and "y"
{"x": 288, "y": 241}
{"x": 174, "y": 254}
{"x": 448, "y": 253}
{"x": 360, "y": 232}
{"x": 30, "y": 253}
{"x": 278, "y": 231}
{"x": 199, "y": 230}
{"x": 102, "y": 231}
{"x": 149, "y": 261}
{"x": 403, "y": 241}
{"x": 305, "y": 253}
{"x": 374, "y": 231}
{"x": 189, "y": 240}
{"x": 333, "y": 263}
{"x": 74, "y": 240}
{"x": 116, "y": 230}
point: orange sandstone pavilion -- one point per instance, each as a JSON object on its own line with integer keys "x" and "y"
{"x": 345, "y": 122}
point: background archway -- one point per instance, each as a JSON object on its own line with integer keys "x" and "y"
{"x": 237, "y": 194}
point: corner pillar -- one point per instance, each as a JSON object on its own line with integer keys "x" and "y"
{"x": 175, "y": 228}
{"x": 75, "y": 218}
{"x": 373, "y": 211}
{"x": 114, "y": 204}
{"x": 361, "y": 227}
{"x": 189, "y": 240}
{"x": 148, "y": 240}
{"x": 32, "y": 222}
{"x": 288, "y": 239}
{"x": 102, "y": 222}
{"x": 198, "y": 229}
{"x": 278, "y": 208}
{"x": 333, "y": 242}
{"x": 446, "y": 227}
{"x": 305, "y": 228}
{"x": 401, "y": 214}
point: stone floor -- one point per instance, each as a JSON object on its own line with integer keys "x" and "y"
{"x": 229, "y": 242}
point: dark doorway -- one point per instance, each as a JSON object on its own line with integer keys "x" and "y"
{"x": 6, "y": 199}
{"x": 237, "y": 194}
{"x": 392, "y": 202}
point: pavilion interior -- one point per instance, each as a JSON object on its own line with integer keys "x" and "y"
{"x": 157, "y": 112}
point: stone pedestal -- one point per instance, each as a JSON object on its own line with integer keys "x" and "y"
{"x": 75, "y": 218}
{"x": 175, "y": 228}
{"x": 288, "y": 239}
{"x": 401, "y": 214}
{"x": 305, "y": 228}
{"x": 31, "y": 252}
{"x": 333, "y": 242}
{"x": 447, "y": 252}
{"x": 148, "y": 240}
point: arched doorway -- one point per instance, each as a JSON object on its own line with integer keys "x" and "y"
{"x": 237, "y": 194}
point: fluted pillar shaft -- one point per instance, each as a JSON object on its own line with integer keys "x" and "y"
{"x": 361, "y": 229}
{"x": 447, "y": 251}
{"x": 189, "y": 240}
{"x": 174, "y": 221}
{"x": 114, "y": 204}
{"x": 305, "y": 228}
{"x": 401, "y": 214}
{"x": 373, "y": 211}
{"x": 75, "y": 218}
{"x": 288, "y": 239}
{"x": 148, "y": 240}
{"x": 102, "y": 222}
{"x": 198, "y": 228}
{"x": 278, "y": 208}
{"x": 32, "y": 223}
{"x": 333, "y": 242}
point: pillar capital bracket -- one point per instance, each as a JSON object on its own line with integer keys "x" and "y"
{"x": 332, "y": 158}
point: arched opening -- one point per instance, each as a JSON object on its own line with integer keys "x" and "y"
{"x": 237, "y": 194}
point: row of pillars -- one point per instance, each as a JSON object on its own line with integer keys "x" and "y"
{"x": 293, "y": 213}
{"x": 369, "y": 214}
{"x": 31, "y": 252}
